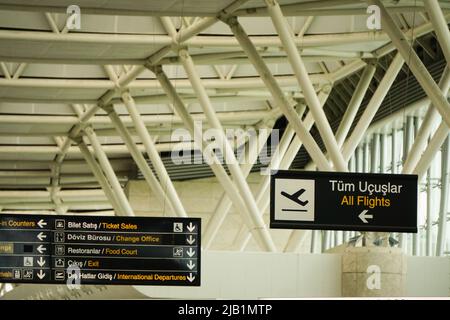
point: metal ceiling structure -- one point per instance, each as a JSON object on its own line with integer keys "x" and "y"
{"x": 82, "y": 109}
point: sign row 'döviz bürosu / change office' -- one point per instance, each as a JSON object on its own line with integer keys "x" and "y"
{"x": 100, "y": 250}
{"x": 343, "y": 201}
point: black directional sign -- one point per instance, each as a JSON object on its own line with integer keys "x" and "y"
{"x": 100, "y": 250}
{"x": 343, "y": 201}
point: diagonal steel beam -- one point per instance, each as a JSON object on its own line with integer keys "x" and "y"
{"x": 431, "y": 118}
{"x": 440, "y": 26}
{"x": 444, "y": 203}
{"x": 109, "y": 172}
{"x": 431, "y": 150}
{"x": 153, "y": 154}
{"x": 226, "y": 148}
{"x": 375, "y": 102}
{"x": 223, "y": 207}
{"x": 139, "y": 159}
{"x": 99, "y": 175}
{"x": 415, "y": 64}
{"x": 287, "y": 151}
{"x": 301, "y": 74}
{"x": 5, "y": 70}
{"x": 355, "y": 103}
{"x": 255, "y": 224}
{"x": 277, "y": 94}
{"x": 243, "y": 235}
{"x": 105, "y": 99}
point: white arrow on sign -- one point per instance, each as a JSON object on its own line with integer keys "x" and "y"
{"x": 41, "y": 249}
{"x": 41, "y": 262}
{"x": 41, "y": 236}
{"x": 190, "y": 240}
{"x": 41, "y": 274}
{"x": 41, "y": 223}
{"x": 190, "y": 277}
{"x": 191, "y": 265}
{"x": 363, "y": 216}
{"x": 190, "y": 227}
{"x": 190, "y": 252}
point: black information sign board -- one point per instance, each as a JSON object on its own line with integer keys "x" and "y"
{"x": 100, "y": 250}
{"x": 343, "y": 201}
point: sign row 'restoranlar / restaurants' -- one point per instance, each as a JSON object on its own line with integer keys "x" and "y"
{"x": 100, "y": 250}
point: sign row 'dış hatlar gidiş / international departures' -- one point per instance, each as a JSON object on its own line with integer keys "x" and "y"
{"x": 343, "y": 201}
{"x": 100, "y": 250}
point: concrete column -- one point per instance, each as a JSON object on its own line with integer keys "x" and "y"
{"x": 373, "y": 272}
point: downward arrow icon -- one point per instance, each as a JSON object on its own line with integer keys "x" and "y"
{"x": 190, "y": 227}
{"x": 190, "y": 240}
{"x": 363, "y": 216}
{"x": 41, "y": 262}
{"x": 41, "y": 274}
{"x": 191, "y": 265}
{"x": 190, "y": 252}
{"x": 190, "y": 277}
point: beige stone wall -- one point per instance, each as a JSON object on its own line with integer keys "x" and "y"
{"x": 391, "y": 263}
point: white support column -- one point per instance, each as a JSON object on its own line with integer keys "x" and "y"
{"x": 415, "y": 64}
{"x": 301, "y": 73}
{"x": 326, "y": 235}
{"x": 314, "y": 236}
{"x": 277, "y": 94}
{"x": 394, "y": 150}
{"x": 375, "y": 154}
{"x": 255, "y": 224}
{"x": 282, "y": 162}
{"x": 443, "y": 210}
{"x": 227, "y": 150}
{"x": 243, "y": 236}
{"x": 97, "y": 171}
{"x": 139, "y": 159}
{"x": 206, "y": 22}
{"x": 440, "y": 26}
{"x": 296, "y": 240}
{"x": 225, "y": 203}
{"x": 408, "y": 131}
{"x": 429, "y": 221}
{"x": 262, "y": 199}
{"x": 5, "y": 70}
{"x": 383, "y": 152}
{"x": 55, "y": 177}
{"x": 169, "y": 27}
{"x": 372, "y": 108}
{"x": 153, "y": 154}
{"x": 308, "y": 22}
{"x": 366, "y": 157}
{"x": 355, "y": 103}
{"x": 430, "y": 152}
{"x": 109, "y": 172}
{"x": 431, "y": 118}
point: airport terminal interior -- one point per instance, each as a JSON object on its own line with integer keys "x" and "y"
{"x": 224, "y": 149}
